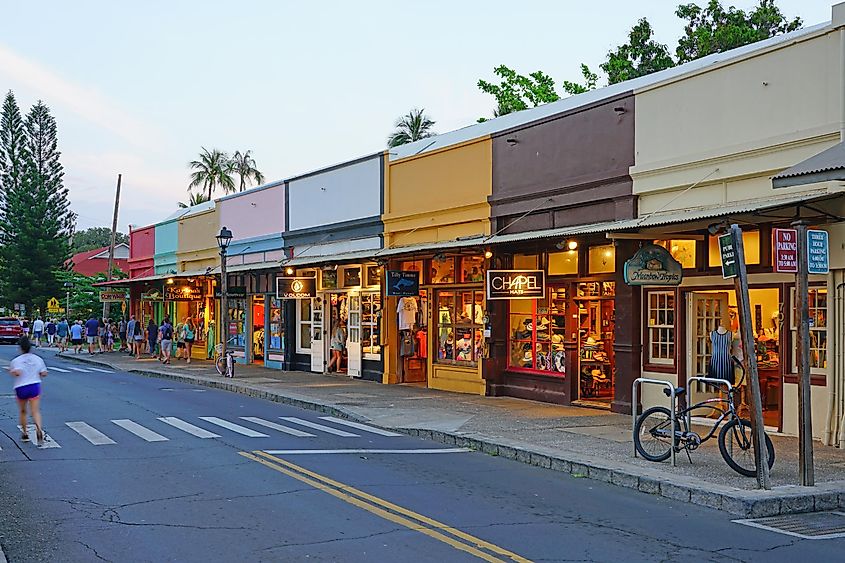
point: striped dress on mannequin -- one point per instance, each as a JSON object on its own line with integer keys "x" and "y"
{"x": 721, "y": 366}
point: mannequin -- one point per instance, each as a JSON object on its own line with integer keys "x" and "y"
{"x": 721, "y": 366}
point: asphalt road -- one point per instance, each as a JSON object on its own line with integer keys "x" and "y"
{"x": 150, "y": 470}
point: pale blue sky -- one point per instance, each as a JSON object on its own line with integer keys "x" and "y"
{"x": 138, "y": 87}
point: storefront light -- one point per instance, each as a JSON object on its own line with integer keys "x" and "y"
{"x": 572, "y": 245}
{"x": 488, "y": 254}
{"x": 289, "y": 271}
{"x": 169, "y": 281}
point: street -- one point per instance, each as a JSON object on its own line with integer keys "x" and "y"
{"x": 141, "y": 469}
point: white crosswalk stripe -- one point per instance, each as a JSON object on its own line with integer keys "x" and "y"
{"x": 188, "y": 427}
{"x": 49, "y": 442}
{"x": 320, "y": 427}
{"x": 101, "y": 370}
{"x": 90, "y": 433}
{"x": 279, "y": 427}
{"x": 140, "y": 431}
{"x": 360, "y": 426}
{"x": 60, "y": 370}
{"x": 234, "y": 427}
{"x": 82, "y": 370}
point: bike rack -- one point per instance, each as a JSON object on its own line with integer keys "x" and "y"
{"x": 635, "y": 402}
{"x": 703, "y": 379}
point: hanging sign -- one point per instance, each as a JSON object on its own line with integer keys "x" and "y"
{"x": 516, "y": 284}
{"x": 152, "y": 295}
{"x": 653, "y": 265}
{"x": 182, "y": 293}
{"x": 818, "y": 252}
{"x": 403, "y": 284}
{"x": 785, "y": 249}
{"x": 231, "y": 291}
{"x": 296, "y": 288}
{"x": 728, "y": 252}
{"x": 111, "y": 296}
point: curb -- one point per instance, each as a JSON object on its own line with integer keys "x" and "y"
{"x": 790, "y": 499}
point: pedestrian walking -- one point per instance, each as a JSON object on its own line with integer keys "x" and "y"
{"x": 92, "y": 334}
{"x": 25, "y": 327}
{"x": 152, "y": 336}
{"x": 102, "y": 335}
{"x": 166, "y": 332}
{"x": 188, "y": 336}
{"x": 180, "y": 341}
{"x": 122, "y": 327}
{"x": 37, "y": 331}
{"x": 28, "y": 370}
{"x": 77, "y": 336}
{"x": 62, "y": 330}
{"x": 50, "y": 329}
{"x": 138, "y": 338}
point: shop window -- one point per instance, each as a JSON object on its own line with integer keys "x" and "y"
{"x": 277, "y": 326}
{"x": 460, "y": 330}
{"x": 661, "y": 327}
{"x": 373, "y": 275}
{"x": 563, "y": 263}
{"x": 328, "y": 279}
{"x": 413, "y": 266}
{"x": 303, "y": 322}
{"x": 352, "y": 277}
{"x": 472, "y": 269}
{"x": 443, "y": 270}
{"x": 236, "y": 330}
{"x": 370, "y": 323}
{"x": 750, "y": 242}
{"x": 602, "y": 259}
{"x": 538, "y": 332}
{"x": 525, "y": 261}
{"x": 681, "y": 250}
{"x": 817, "y": 303}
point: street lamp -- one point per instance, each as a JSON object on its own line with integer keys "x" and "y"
{"x": 68, "y": 286}
{"x": 223, "y": 240}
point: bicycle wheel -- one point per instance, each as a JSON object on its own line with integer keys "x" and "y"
{"x": 220, "y": 364}
{"x": 736, "y": 447}
{"x": 653, "y": 434}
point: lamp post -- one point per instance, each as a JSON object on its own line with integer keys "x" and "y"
{"x": 68, "y": 286}
{"x": 223, "y": 240}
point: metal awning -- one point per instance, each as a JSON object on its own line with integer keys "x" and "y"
{"x": 156, "y": 277}
{"x": 668, "y": 218}
{"x": 827, "y": 166}
{"x": 272, "y": 265}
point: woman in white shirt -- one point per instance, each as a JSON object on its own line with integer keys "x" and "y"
{"x": 28, "y": 369}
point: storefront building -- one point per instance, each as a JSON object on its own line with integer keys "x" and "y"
{"x": 334, "y": 232}
{"x": 436, "y": 215}
{"x": 256, "y": 329}
{"x": 141, "y": 265}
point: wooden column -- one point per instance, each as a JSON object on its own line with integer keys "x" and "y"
{"x": 627, "y": 344}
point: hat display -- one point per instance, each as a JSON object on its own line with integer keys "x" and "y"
{"x": 557, "y": 339}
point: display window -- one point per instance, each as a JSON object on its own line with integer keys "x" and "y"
{"x": 538, "y": 333}
{"x": 602, "y": 259}
{"x": 817, "y": 304}
{"x": 352, "y": 276}
{"x": 472, "y": 269}
{"x": 370, "y": 325}
{"x": 258, "y": 335}
{"x": 460, "y": 330}
{"x": 563, "y": 263}
{"x": 750, "y": 243}
{"x": 276, "y": 330}
{"x": 681, "y": 250}
{"x": 236, "y": 330}
{"x": 526, "y": 261}
{"x": 661, "y": 327}
{"x": 328, "y": 279}
{"x": 304, "y": 321}
{"x": 443, "y": 270}
{"x": 373, "y": 275}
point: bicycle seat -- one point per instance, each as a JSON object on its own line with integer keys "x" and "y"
{"x": 678, "y": 391}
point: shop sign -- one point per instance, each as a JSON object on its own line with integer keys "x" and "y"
{"x": 296, "y": 288}
{"x": 818, "y": 252}
{"x": 403, "y": 284}
{"x": 653, "y": 265}
{"x": 182, "y": 293}
{"x": 152, "y": 295}
{"x": 112, "y": 296}
{"x": 231, "y": 291}
{"x": 786, "y": 250}
{"x": 233, "y": 328}
{"x": 728, "y": 252}
{"x": 516, "y": 284}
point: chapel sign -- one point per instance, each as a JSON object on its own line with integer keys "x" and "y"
{"x": 653, "y": 265}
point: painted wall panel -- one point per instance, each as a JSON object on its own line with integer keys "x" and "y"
{"x": 254, "y": 213}
{"x": 197, "y": 232}
{"x": 344, "y": 193}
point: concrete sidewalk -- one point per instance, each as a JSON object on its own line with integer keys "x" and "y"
{"x": 584, "y": 442}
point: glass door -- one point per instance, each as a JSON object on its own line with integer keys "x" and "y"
{"x": 353, "y": 342}
{"x": 318, "y": 351}
{"x": 706, "y": 312}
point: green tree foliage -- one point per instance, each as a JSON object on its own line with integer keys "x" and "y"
{"x": 516, "y": 92}
{"x": 243, "y": 164}
{"x": 413, "y": 126}
{"x": 714, "y": 29}
{"x": 590, "y": 80}
{"x": 95, "y": 237}
{"x": 213, "y": 169}
{"x": 194, "y": 199}
{"x": 640, "y": 56}
{"x": 85, "y": 296}
{"x": 38, "y": 223}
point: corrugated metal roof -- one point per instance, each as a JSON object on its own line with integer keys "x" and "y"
{"x": 830, "y": 160}
{"x": 666, "y": 218}
{"x": 505, "y": 122}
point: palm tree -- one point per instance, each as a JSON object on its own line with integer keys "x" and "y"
{"x": 213, "y": 169}
{"x": 195, "y": 199}
{"x": 244, "y": 166}
{"x": 411, "y": 127}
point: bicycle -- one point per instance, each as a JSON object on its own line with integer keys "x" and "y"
{"x": 225, "y": 364}
{"x": 652, "y": 431}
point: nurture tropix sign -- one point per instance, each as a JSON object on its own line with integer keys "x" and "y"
{"x": 653, "y": 265}
{"x": 296, "y": 288}
{"x": 516, "y": 284}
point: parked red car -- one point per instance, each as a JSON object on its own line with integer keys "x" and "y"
{"x": 10, "y": 330}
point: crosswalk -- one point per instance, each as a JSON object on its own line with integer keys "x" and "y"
{"x": 69, "y": 369}
{"x": 166, "y": 428}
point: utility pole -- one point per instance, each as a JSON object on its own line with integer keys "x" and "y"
{"x": 805, "y": 418}
{"x": 113, "y": 239}
{"x": 758, "y": 434}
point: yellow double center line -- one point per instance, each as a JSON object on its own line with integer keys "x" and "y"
{"x": 389, "y": 511}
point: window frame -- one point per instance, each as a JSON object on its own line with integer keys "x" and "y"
{"x": 372, "y": 326}
{"x": 300, "y": 349}
{"x": 534, "y": 340}
{"x": 650, "y": 362}
{"x": 818, "y": 376}
{"x": 472, "y": 326}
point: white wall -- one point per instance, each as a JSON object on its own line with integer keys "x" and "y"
{"x": 343, "y": 194}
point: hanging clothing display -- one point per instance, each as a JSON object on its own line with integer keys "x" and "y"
{"x": 407, "y": 344}
{"x": 407, "y": 310}
{"x": 721, "y": 366}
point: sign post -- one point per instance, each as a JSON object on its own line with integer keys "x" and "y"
{"x": 733, "y": 263}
